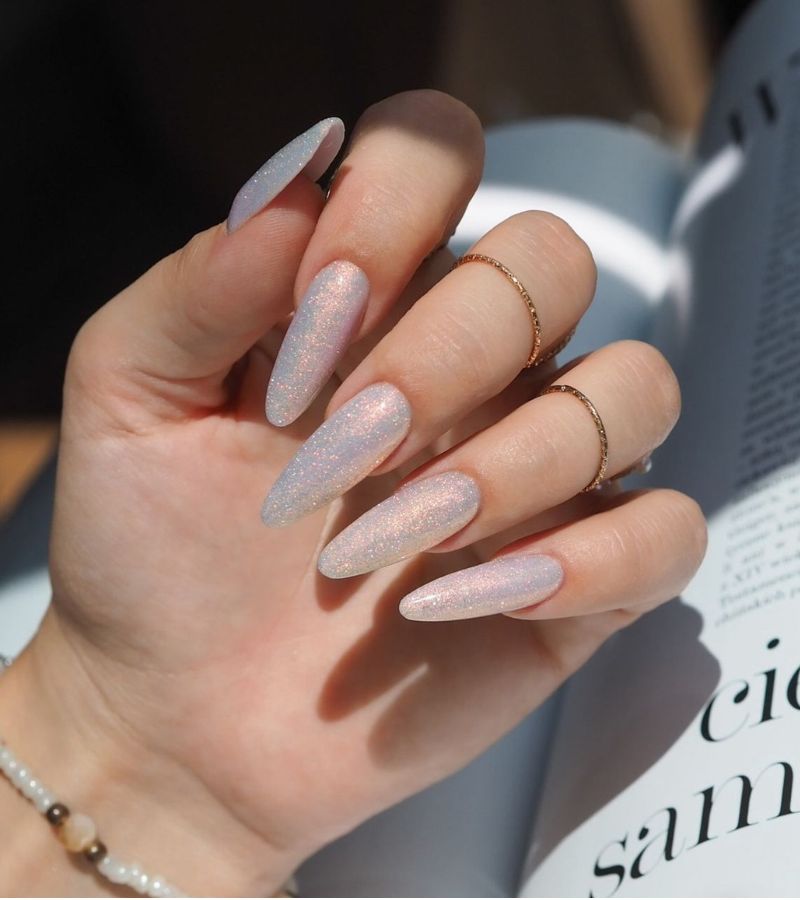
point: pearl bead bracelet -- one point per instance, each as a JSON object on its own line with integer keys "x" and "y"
{"x": 76, "y": 831}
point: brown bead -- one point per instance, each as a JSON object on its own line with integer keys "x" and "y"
{"x": 96, "y": 852}
{"x": 57, "y": 814}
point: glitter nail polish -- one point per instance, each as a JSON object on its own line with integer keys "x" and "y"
{"x": 341, "y": 452}
{"x": 311, "y": 152}
{"x": 324, "y": 324}
{"x": 419, "y": 516}
{"x": 502, "y": 585}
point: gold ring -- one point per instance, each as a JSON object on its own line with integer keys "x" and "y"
{"x": 537, "y": 328}
{"x": 558, "y": 347}
{"x": 601, "y": 429}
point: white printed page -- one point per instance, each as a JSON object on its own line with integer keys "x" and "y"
{"x": 676, "y": 763}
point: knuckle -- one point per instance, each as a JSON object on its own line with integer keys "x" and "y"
{"x": 96, "y": 359}
{"x": 387, "y": 194}
{"x": 540, "y": 230}
{"x": 638, "y": 535}
{"x": 443, "y": 111}
{"x": 652, "y": 378}
{"x": 627, "y": 544}
{"x": 435, "y": 118}
{"x": 456, "y": 119}
{"x": 555, "y": 227}
{"x": 534, "y": 440}
{"x": 630, "y": 542}
{"x": 668, "y": 519}
{"x": 442, "y": 106}
{"x": 547, "y": 442}
{"x": 450, "y": 345}
{"x": 83, "y": 355}
{"x": 690, "y": 522}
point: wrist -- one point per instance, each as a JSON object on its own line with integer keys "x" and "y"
{"x": 148, "y": 809}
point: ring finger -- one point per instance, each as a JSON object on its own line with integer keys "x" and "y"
{"x": 625, "y": 403}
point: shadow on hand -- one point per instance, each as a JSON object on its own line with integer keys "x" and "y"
{"x": 389, "y": 651}
{"x": 423, "y": 662}
{"x": 446, "y": 687}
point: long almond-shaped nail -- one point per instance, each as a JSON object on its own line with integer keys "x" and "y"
{"x": 346, "y": 448}
{"x": 419, "y": 516}
{"x": 311, "y": 152}
{"x": 321, "y": 329}
{"x": 502, "y": 585}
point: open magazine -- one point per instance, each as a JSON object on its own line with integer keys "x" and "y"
{"x": 667, "y": 765}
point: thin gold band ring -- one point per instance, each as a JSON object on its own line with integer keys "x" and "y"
{"x": 533, "y": 359}
{"x": 601, "y": 428}
{"x": 558, "y": 347}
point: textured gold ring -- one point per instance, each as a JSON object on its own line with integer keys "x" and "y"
{"x": 558, "y": 347}
{"x": 537, "y": 328}
{"x": 601, "y": 428}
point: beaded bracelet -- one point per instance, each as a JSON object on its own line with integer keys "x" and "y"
{"x": 76, "y": 831}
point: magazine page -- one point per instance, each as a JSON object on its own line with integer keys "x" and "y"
{"x": 676, "y": 755}
{"x": 618, "y": 188}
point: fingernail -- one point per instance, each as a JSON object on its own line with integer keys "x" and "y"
{"x": 346, "y": 448}
{"x": 321, "y": 329}
{"x": 502, "y": 585}
{"x": 312, "y": 152}
{"x": 417, "y": 517}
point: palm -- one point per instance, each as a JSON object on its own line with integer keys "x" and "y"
{"x": 250, "y": 667}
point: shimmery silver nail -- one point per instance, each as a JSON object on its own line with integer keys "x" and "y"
{"x": 502, "y": 585}
{"x": 321, "y": 329}
{"x": 312, "y": 152}
{"x": 419, "y": 516}
{"x": 346, "y": 448}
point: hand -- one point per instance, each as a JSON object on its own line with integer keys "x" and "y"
{"x": 221, "y": 707}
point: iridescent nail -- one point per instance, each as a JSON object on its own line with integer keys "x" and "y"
{"x": 312, "y": 152}
{"x": 346, "y": 448}
{"x": 321, "y": 329}
{"x": 419, "y": 516}
{"x": 502, "y": 585}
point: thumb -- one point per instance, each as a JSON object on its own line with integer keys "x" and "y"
{"x": 167, "y": 342}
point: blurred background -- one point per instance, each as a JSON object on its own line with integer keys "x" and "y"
{"x": 128, "y": 126}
